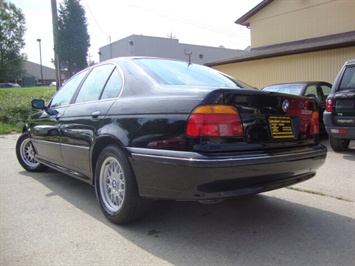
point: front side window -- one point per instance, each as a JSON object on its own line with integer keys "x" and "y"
{"x": 94, "y": 84}
{"x": 65, "y": 94}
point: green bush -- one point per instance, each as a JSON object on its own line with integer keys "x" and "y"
{"x": 15, "y": 106}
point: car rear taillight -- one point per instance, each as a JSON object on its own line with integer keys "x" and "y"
{"x": 314, "y": 123}
{"x": 214, "y": 121}
{"x": 329, "y": 104}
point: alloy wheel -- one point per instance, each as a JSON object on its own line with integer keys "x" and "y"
{"x": 112, "y": 184}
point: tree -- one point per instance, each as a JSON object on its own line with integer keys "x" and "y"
{"x": 73, "y": 39}
{"x": 12, "y": 30}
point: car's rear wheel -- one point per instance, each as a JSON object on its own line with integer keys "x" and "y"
{"x": 116, "y": 187}
{"x": 26, "y": 154}
{"x": 339, "y": 144}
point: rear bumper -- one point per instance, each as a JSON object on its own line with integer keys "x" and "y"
{"x": 335, "y": 131}
{"x": 192, "y": 176}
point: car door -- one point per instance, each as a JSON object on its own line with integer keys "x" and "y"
{"x": 87, "y": 114}
{"x": 45, "y": 135}
{"x": 45, "y": 128}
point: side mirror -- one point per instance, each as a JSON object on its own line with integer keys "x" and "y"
{"x": 38, "y": 104}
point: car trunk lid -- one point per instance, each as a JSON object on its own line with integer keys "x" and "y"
{"x": 268, "y": 119}
{"x": 273, "y": 116}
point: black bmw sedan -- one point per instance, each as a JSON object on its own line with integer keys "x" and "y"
{"x": 142, "y": 129}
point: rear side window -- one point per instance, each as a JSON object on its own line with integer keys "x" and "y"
{"x": 326, "y": 90}
{"x": 311, "y": 91}
{"x": 348, "y": 80}
{"x": 94, "y": 84}
{"x": 113, "y": 86}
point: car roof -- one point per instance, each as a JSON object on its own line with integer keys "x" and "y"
{"x": 132, "y": 58}
{"x": 299, "y": 83}
{"x": 350, "y": 62}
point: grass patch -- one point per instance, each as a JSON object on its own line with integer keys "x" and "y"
{"x": 7, "y": 128}
{"x": 15, "y": 106}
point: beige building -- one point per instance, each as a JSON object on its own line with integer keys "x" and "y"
{"x": 294, "y": 40}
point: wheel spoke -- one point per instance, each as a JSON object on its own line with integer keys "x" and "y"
{"x": 27, "y": 153}
{"x": 112, "y": 184}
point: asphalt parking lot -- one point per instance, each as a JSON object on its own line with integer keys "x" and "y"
{"x": 51, "y": 219}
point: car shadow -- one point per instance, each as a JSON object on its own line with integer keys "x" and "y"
{"x": 348, "y": 154}
{"x": 263, "y": 229}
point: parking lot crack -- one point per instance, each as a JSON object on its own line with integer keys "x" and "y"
{"x": 319, "y": 193}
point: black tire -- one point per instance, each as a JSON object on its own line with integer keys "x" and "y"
{"x": 339, "y": 144}
{"x": 116, "y": 187}
{"x": 25, "y": 154}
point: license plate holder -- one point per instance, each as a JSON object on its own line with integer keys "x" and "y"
{"x": 281, "y": 127}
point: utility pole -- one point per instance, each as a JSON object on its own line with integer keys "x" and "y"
{"x": 109, "y": 38}
{"x": 40, "y": 58}
{"x": 55, "y": 37}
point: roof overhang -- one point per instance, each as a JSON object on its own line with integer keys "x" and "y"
{"x": 335, "y": 41}
{"x": 243, "y": 19}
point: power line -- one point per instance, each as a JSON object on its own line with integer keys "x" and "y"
{"x": 186, "y": 20}
{"x": 189, "y": 21}
{"x": 97, "y": 24}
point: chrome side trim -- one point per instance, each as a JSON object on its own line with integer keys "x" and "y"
{"x": 76, "y": 146}
{"x": 60, "y": 144}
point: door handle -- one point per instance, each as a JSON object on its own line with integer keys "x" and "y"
{"x": 96, "y": 114}
{"x": 58, "y": 116}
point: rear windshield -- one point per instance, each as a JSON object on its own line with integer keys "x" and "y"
{"x": 295, "y": 89}
{"x": 170, "y": 72}
{"x": 348, "y": 80}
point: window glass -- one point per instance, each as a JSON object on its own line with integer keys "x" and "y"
{"x": 181, "y": 73}
{"x": 65, "y": 94}
{"x": 294, "y": 89}
{"x": 113, "y": 86}
{"x": 311, "y": 91}
{"x": 94, "y": 84}
{"x": 348, "y": 80}
{"x": 326, "y": 90}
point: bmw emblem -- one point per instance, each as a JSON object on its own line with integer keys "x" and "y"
{"x": 285, "y": 106}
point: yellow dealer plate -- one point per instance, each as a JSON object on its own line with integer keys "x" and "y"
{"x": 281, "y": 127}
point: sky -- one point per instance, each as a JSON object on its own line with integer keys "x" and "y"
{"x": 198, "y": 22}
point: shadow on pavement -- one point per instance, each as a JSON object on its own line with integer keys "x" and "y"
{"x": 349, "y": 154}
{"x": 262, "y": 228}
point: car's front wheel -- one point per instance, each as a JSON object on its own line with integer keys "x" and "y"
{"x": 339, "y": 144}
{"x": 116, "y": 187}
{"x": 26, "y": 154}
